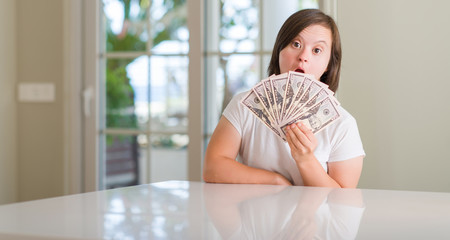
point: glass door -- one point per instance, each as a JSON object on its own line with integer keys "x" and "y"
{"x": 144, "y": 100}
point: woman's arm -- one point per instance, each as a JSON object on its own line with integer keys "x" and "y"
{"x": 343, "y": 174}
{"x": 346, "y": 173}
{"x": 220, "y": 165}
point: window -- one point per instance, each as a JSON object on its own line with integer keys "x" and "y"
{"x": 143, "y": 128}
{"x": 143, "y": 62}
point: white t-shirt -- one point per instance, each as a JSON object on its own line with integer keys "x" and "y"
{"x": 261, "y": 148}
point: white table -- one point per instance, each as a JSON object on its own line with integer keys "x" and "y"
{"x": 194, "y": 210}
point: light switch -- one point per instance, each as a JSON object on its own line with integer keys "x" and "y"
{"x": 36, "y": 92}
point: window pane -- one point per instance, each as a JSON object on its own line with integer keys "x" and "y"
{"x": 121, "y": 161}
{"x": 169, "y": 30}
{"x": 240, "y": 73}
{"x": 165, "y": 97}
{"x": 168, "y": 157}
{"x": 227, "y": 76}
{"x": 131, "y": 160}
{"x": 214, "y": 86}
{"x": 126, "y": 25}
{"x": 120, "y": 95}
{"x": 239, "y": 26}
{"x": 265, "y": 63}
{"x": 138, "y": 73}
{"x": 169, "y": 93}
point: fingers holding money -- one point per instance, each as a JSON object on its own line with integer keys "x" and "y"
{"x": 281, "y": 100}
{"x": 301, "y": 140}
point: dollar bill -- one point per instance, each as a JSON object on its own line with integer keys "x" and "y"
{"x": 317, "y": 117}
{"x": 268, "y": 88}
{"x": 331, "y": 93}
{"x": 294, "y": 83}
{"x": 284, "y": 99}
{"x": 279, "y": 87}
{"x": 261, "y": 95}
{"x": 287, "y": 99}
{"x": 321, "y": 95}
{"x": 312, "y": 90}
{"x": 252, "y": 102}
{"x": 297, "y": 104}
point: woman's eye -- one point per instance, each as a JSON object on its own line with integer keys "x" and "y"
{"x": 317, "y": 50}
{"x": 296, "y": 44}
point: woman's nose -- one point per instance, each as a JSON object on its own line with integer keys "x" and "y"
{"x": 303, "y": 56}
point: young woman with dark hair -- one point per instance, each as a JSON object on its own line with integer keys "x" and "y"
{"x": 243, "y": 150}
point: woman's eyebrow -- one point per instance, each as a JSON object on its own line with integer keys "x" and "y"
{"x": 321, "y": 41}
{"x": 299, "y": 37}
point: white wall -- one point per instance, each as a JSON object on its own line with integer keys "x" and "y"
{"x": 395, "y": 81}
{"x": 40, "y": 59}
{"x": 32, "y": 135}
{"x": 8, "y": 127}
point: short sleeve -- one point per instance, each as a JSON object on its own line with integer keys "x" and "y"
{"x": 346, "y": 141}
{"x": 235, "y": 112}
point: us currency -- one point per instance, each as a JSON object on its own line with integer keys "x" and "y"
{"x": 331, "y": 93}
{"x": 261, "y": 94}
{"x": 297, "y": 80}
{"x": 317, "y": 117}
{"x": 297, "y": 104}
{"x": 281, "y": 100}
{"x": 294, "y": 83}
{"x": 321, "y": 95}
{"x": 279, "y": 84}
{"x": 287, "y": 99}
{"x": 312, "y": 90}
{"x": 268, "y": 88}
{"x": 252, "y": 102}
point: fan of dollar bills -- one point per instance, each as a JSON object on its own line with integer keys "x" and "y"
{"x": 284, "y": 99}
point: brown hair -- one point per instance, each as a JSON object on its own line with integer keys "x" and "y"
{"x": 293, "y": 26}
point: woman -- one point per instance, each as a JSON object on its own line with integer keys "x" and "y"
{"x": 308, "y": 42}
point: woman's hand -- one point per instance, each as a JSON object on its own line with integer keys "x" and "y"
{"x": 281, "y": 180}
{"x": 302, "y": 142}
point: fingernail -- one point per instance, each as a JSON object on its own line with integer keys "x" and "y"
{"x": 299, "y": 124}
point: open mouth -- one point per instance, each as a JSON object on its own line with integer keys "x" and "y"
{"x": 299, "y": 70}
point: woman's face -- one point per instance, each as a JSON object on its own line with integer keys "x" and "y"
{"x": 309, "y": 52}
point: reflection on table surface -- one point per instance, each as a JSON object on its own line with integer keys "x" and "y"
{"x": 194, "y": 210}
{"x": 279, "y": 212}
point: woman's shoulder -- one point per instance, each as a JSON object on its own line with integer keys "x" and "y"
{"x": 235, "y": 112}
{"x": 237, "y": 98}
{"x": 343, "y": 136}
{"x": 345, "y": 115}
{"x": 345, "y": 119}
